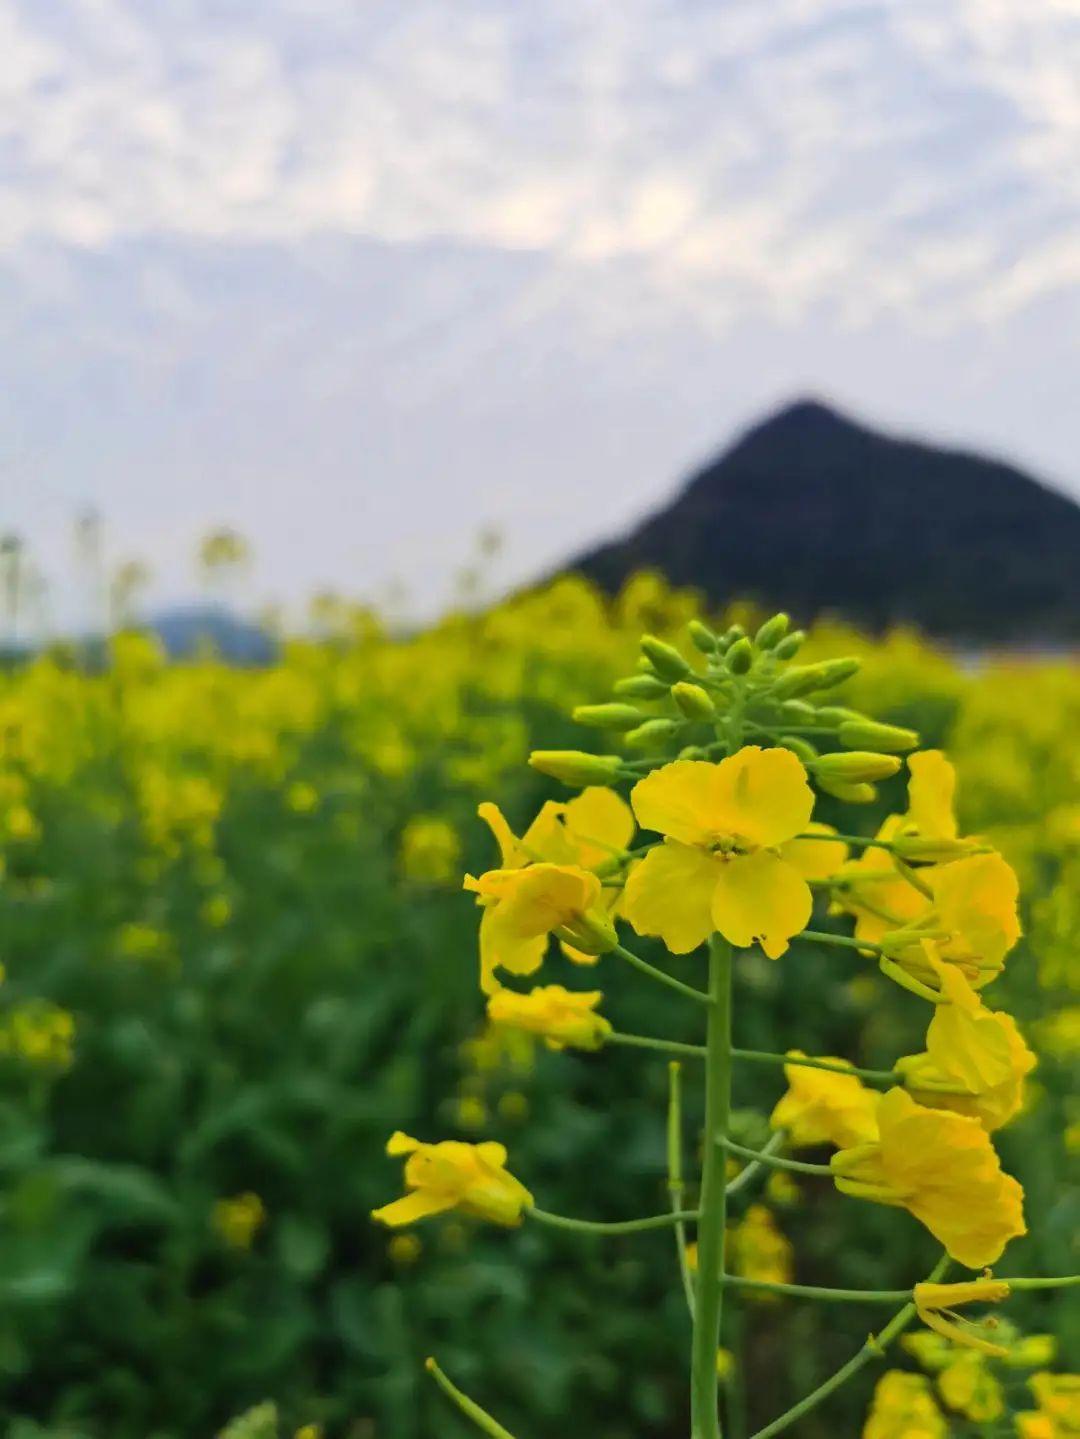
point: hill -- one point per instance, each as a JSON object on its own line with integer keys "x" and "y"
{"x": 816, "y": 513}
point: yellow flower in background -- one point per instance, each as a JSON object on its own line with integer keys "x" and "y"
{"x": 932, "y": 1351}
{"x": 238, "y": 1219}
{"x": 522, "y": 907}
{"x": 472, "y": 1178}
{"x": 718, "y": 869}
{"x": 758, "y": 1250}
{"x": 903, "y": 1408}
{"x": 942, "y": 1168}
{"x": 1058, "y": 1415}
{"x": 975, "y": 1060}
{"x": 430, "y": 850}
{"x": 405, "y": 1249}
{"x": 39, "y": 1034}
{"x": 562, "y": 1017}
{"x": 588, "y": 831}
{"x": 968, "y": 1387}
{"x": 823, "y": 1107}
{"x": 935, "y": 1305}
{"x": 1032, "y": 1351}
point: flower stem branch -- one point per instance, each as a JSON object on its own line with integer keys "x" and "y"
{"x": 874, "y": 1076}
{"x": 813, "y": 1291}
{"x": 708, "y": 1309}
{"x": 761, "y": 1156}
{"x": 468, "y": 1407}
{"x": 676, "y": 1187}
{"x": 874, "y": 1348}
{"x": 616, "y": 1226}
{"x": 754, "y": 1168}
{"x": 687, "y": 990}
{"x": 1060, "y": 1281}
{"x": 820, "y": 936}
{"x": 664, "y": 1046}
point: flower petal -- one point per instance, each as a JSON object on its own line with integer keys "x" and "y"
{"x": 762, "y": 796}
{"x": 420, "y": 1204}
{"x": 760, "y": 897}
{"x": 670, "y": 894}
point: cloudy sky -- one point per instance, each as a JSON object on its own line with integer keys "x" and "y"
{"x": 359, "y": 278}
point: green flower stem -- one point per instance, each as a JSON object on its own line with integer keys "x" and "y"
{"x": 760, "y": 1156}
{"x": 704, "y": 1398}
{"x": 617, "y": 1226}
{"x": 848, "y": 941}
{"x": 676, "y": 1187}
{"x": 645, "y": 967}
{"x": 665, "y": 1046}
{"x": 861, "y": 839}
{"x": 812, "y": 1291}
{"x": 750, "y": 1171}
{"x": 753, "y": 1056}
{"x": 874, "y": 1076}
{"x": 1060, "y": 1281}
{"x": 874, "y": 1348}
{"x": 468, "y": 1407}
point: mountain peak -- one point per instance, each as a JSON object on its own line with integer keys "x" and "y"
{"x": 816, "y": 512}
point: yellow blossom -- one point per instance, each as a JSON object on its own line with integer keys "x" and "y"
{"x": 824, "y": 1107}
{"x": 1058, "y": 1397}
{"x": 968, "y": 1387}
{"x": 874, "y": 891}
{"x": 904, "y": 1408}
{"x": 975, "y": 1059}
{"x": 718, "y": 868}
{"x": 560, "y": 1016}
{"x": 429, "y": 850}
{"x": 758, "y": 1250}
{"x": 523, "y": 906}
{"x": 942, "y": 1168}
{"x": 238, "y": 1219}
{"x": 929, "y": 830}
{"x": 815, "y": 859}
{"x": 935, "y": 1303}
{"x": 451, "y": 1175}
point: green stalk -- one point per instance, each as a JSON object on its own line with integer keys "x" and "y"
{"x": 813, "y": 1291}
{"x": 847, "y": 941}
{"x": 664, "y": 1046}
{"x": 686, "y": 990}
{"x": 760, "y": 1056}
{"x": 616, "y": 1226}
{"x": 762, "y": 1156}
{"x": 704, "y": 1404}
{"x": 749, "y": 1172}
{"x": 676, "y": 1187}
{"x": 468, "y": 1407}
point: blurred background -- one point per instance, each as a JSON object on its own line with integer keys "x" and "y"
{"x": 371, "y": 376}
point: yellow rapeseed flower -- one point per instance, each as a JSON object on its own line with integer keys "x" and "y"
{"x": 238, "y": 1219}
{"x": 718, "y": 868}
{"x": 563, "y": 1018}
{"x": 975, "y": 1060}
{"x": 968, "y": 1386}
{"x": 935, "y": 1305}
{"x": 758, "y": 1250}
{"x": 929, "y": 830}
{"x": 904, "y": 1408}
{"x": 823, "y": 1107}
{"x": 522, "y": 907}
{"x": 942, "y": 1168}
{"x": 1058, "y": 1416}
{"x": 451, "y": 1175}
{"x": 816, "y": 859}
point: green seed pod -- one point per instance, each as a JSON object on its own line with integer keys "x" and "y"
{"x": 664, "y": 658}
{"x": 798, "y": 711}
{"x": 856, "y": 766}
{"x": 702, "y": 637}
{"x": 790, "y": 645}
{"x": 740, "y": 656}
{"x": 641, "y": 687}
{"x": 575, "y": 767}
{"x": 868, "y": 734}
{"x": 799, "y": 746}
{"x": 654, "y": 730}
{"x": 837, "y": 715}
{"x": 613, "y": 716}
{"x": 693, "y": 700}
{"x": 772, "y": 632}
{"x": 852, "y": 793}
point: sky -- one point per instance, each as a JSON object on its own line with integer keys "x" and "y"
{"x": 360, "y": 279}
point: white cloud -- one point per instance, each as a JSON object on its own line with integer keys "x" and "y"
{"x": 737, "y": 157}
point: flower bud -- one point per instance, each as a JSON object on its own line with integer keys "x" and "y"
{"x": 612, "y": 716}
{"x": 932, "y": 851}
{"x": 842, "y": 789}
{"x": 653, "y": 731}
{"x": 790, "y": 645}
{"x": 868, "y": 734}
{"x": 838, "y": 715}
{"x": 702, "y": 637}
{"x": 772, "y": 632}
{"x": 592, "y": 932}
{"x": 798, "y": 711}
{"x": 575, "y": 767}
{"x": 692, "y": 751}
{"x": 804, "y": 678}
{"x": 693, "y": 701}
{"x": 731, "y": 636}
{"x": 740, "y": 656}
{"x": 641, "y": 687}
{"x": 857, "y": 766}
{"x": 664, "y": 658}
{"x": 800, "y": 747}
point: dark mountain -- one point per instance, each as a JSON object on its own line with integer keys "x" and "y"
{"x": 813, "y": 512}
{"x": 187, "y": 632}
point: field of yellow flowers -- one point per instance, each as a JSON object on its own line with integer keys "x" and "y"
{"x": 236, "y": 955}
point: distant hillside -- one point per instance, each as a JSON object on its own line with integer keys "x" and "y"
{"x": 814, "y": 512}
